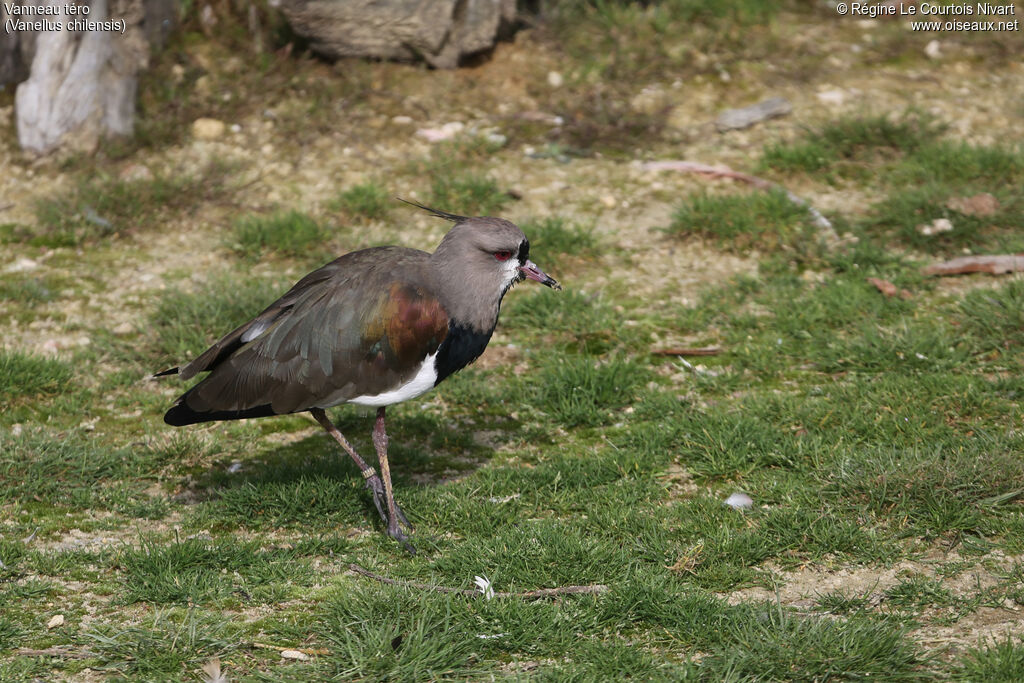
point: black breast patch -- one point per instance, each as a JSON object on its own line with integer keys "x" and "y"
{"x": 462, "y": 346}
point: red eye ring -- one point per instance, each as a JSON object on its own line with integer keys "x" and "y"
{"x": 503, "y": 255}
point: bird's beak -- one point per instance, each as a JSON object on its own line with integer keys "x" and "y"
{"x": 530, "y": 270}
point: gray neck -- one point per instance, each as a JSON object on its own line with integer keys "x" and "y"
{"x": 472, "y": 298}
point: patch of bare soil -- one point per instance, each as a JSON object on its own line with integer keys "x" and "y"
{"x": 801, "y": 589}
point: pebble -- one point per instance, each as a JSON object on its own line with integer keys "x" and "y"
{"x": 401, "y": 120}
{"x": 294, "y": 654}
{"x": 734, "y": 119}
{"x": 445, "y": 132}
{"x": 123, "y": 329}
{"x": 555, "y": 79}
{"x": 207, "y": 129}
{"x": 55, "y": 621}
{"x": 937, "y": 226}
{"x": 832, "y": 97}
{"x": 609, "y": 201}
{"x": 933, "y": 50}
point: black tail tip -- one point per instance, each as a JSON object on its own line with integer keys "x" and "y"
{"x": 180, "y": 415}
{"x": 165, "y": 373}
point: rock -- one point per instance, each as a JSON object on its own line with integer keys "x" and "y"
{"x": 123, "y": 329}
{"x": 439, "y": 32}
{"x": 401, "y": 120}
{"x": 207, "y": 129}
{"x": 735, "y": 119}
{"x": 294, "y": 654}
{"x": 937, "y": 226}
{"x": 933, "y": 50}
{"x": 55, "y": 621}
{"x": 609, "y": 201}
{"x": 445, "y": 132}
{"x": 555, "y": 79}
{"x": 832, "y": 97}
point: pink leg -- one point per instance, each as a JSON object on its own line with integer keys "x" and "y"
{"x": 395, "y": 515}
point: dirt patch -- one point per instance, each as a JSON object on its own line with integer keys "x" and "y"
{"x": 802, "y": 590}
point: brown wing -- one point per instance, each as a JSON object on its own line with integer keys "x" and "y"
{"x": 360, "y": 331}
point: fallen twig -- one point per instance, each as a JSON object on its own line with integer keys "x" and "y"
{"x": 702, "y": 351}
{"x": 64, "y": 652}
{"x": 997, "y": 264}
{"x": 527, "y": 595}
{"x": 303, "y": 650}
{"x": 823, "y": 224}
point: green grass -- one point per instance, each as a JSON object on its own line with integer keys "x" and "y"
{"x": 581, "y": 392}
{"x": 556, "y": 239}
{"x": 199, "y": 571}
{"x": 366, "y": 201}
{"x": 999, "y": 661}
{"x": 919, "y": 175}
{"x": 852, "y": 140}
{"x": 467, "y": 194}
{"x": 184, "y": 323}
{"x": 103, "y": 206}
{"x": 768, "y": 221}
{"x": 163, "y": 645}
{"x": 24, "y": 376}
{"x": 285, "y": 233}
{"x": 877, "y": 436}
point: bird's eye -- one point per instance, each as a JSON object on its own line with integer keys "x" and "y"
{"x": 503, "y": 255}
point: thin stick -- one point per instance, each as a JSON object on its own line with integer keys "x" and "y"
{"x": 703, "y": 351}
{"x": 528, "y": 595}
{"x": 303, "y": 650}
{"x": 55, "y": 652}
{"x": 823, "y": 224}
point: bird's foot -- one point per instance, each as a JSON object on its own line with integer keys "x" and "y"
{"x": 376, "y": 488}
{"x": 395, "y": 532}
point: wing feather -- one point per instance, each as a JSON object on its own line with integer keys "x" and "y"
{"x": 360, "y": 331}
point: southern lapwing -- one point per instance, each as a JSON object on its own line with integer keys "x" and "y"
{"x": 374, "y": 327}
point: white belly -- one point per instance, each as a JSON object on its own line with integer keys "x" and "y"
{"x": 418, "y": 385}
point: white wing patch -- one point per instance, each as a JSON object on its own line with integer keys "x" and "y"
{"x": 418, "y": 385}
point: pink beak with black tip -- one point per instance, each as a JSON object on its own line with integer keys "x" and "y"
{"x": 530, "y": 270}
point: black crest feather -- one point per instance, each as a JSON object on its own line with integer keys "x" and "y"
{"x": 453, "y": 217}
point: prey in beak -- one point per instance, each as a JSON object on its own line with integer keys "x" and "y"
{"x": 530, "y": 270}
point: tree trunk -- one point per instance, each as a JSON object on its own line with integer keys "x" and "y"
{"x": 82, "y": 83}
{"x": 439, "y": 31}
